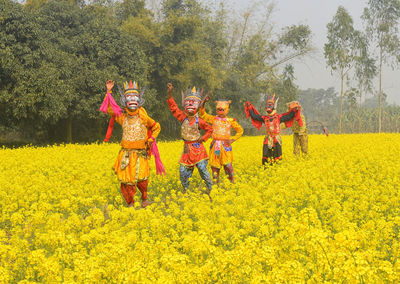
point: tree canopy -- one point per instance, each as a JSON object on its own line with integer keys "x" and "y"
{"x": 56, "y": 56}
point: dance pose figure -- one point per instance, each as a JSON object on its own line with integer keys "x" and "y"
{"x": 221, "y": 147}
{"x": 139, "y": 133}
{"x": 194, "y": 153}
{"x": 272, "y": 148}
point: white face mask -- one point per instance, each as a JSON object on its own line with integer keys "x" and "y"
{"x": 132, "y": 101}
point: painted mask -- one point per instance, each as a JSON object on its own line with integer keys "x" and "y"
{"x": 131, "y": 98}
{"x": 222, "y": 107}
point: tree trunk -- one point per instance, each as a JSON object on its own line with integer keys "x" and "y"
{"x": 69, "y": 129}
{"x": 359, "y": 113}
{"x": 380, "y": 91}
{"x": 341, "y": 101}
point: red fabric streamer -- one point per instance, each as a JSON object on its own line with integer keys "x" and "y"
{"x": 297, "y": 117}
{"x": 110, "y": 129}
{"x": 160, "y": 169}
{"x": 247, "y": 107}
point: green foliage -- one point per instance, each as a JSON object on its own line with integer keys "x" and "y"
{"x": 321, "y": 105}
{"x": 57, "y": 55}
{"x": 339, "y": 50}
{"x": 382, "y": 19}
{"x": 64, "y": 55}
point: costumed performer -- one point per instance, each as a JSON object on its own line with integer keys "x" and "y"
{"x": 272, "y": 147}
{"x": 194, "y": 153}
{"x": 138, "y": 139}
{"x": 221, "y": 147}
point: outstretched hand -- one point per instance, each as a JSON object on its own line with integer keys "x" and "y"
{"x": 109, "y": 85}
{"x": 204, "y": 100}
{"x": 170, "y": 87}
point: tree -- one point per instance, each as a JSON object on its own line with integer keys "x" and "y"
{"x": 339, "y": 50}
{"x": 365, "y": 70}
{"x": 382, "y": 19}
{"x": 285, "y": 87}
{"x": 63, "y": 54}
{"x": 255, "y": 53}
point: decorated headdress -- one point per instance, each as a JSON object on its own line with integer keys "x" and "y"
{"x": 271, "y": 100}
{"x": 131, "y": 88}
{"x": 192, "y": 94}
{"x": 293, "y": 104}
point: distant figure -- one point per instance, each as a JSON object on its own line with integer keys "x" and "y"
{"x": 272, "y": 149}
{"x": 300, "y": 133}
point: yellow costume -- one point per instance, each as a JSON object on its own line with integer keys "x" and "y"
{"x": 221, "y": 149}
{"x": 132, "y": 164}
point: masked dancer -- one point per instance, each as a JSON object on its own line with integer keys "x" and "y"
{"x": 139, "y": 133}
{"x": 194, "y": 153}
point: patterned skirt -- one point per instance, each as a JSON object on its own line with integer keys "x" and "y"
{"x": 132, "y": 166}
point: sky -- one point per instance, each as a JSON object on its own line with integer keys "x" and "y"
{"x": 312, "y": 71}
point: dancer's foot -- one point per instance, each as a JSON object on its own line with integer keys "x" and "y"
{"x": 145, "y": 203}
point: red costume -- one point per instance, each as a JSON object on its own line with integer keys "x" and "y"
{"x": 192, "y": 153}
{"x": 272, "y": 149}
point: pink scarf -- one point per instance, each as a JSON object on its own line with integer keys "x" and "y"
{"x": 157, "y": 159}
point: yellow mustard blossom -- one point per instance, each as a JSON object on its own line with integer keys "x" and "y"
{"x": 333, "y": 216}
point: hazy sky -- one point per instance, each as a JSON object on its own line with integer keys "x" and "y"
{"x": 312, "y": 72}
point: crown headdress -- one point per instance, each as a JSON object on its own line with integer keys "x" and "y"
{"x": 192, "y": 94}
{"x": 131, "y": 88}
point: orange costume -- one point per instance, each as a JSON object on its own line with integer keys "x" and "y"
{"x": 139, "y": 132}
{"x": 221, "y": 149}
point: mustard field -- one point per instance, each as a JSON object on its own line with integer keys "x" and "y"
{"x": 333, "y": 216}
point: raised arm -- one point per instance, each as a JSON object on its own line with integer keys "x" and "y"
{"x": 205, "y": 116}
{"x": 202, "y": 111}
{"x": 176, "y": 112}
{"x": 293, "y": 114}
{"x": 109, "y": 105}
{"x": 255, "y": 116}
{"x": 287, "y": 116}
{"x": 256, "y": 119}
